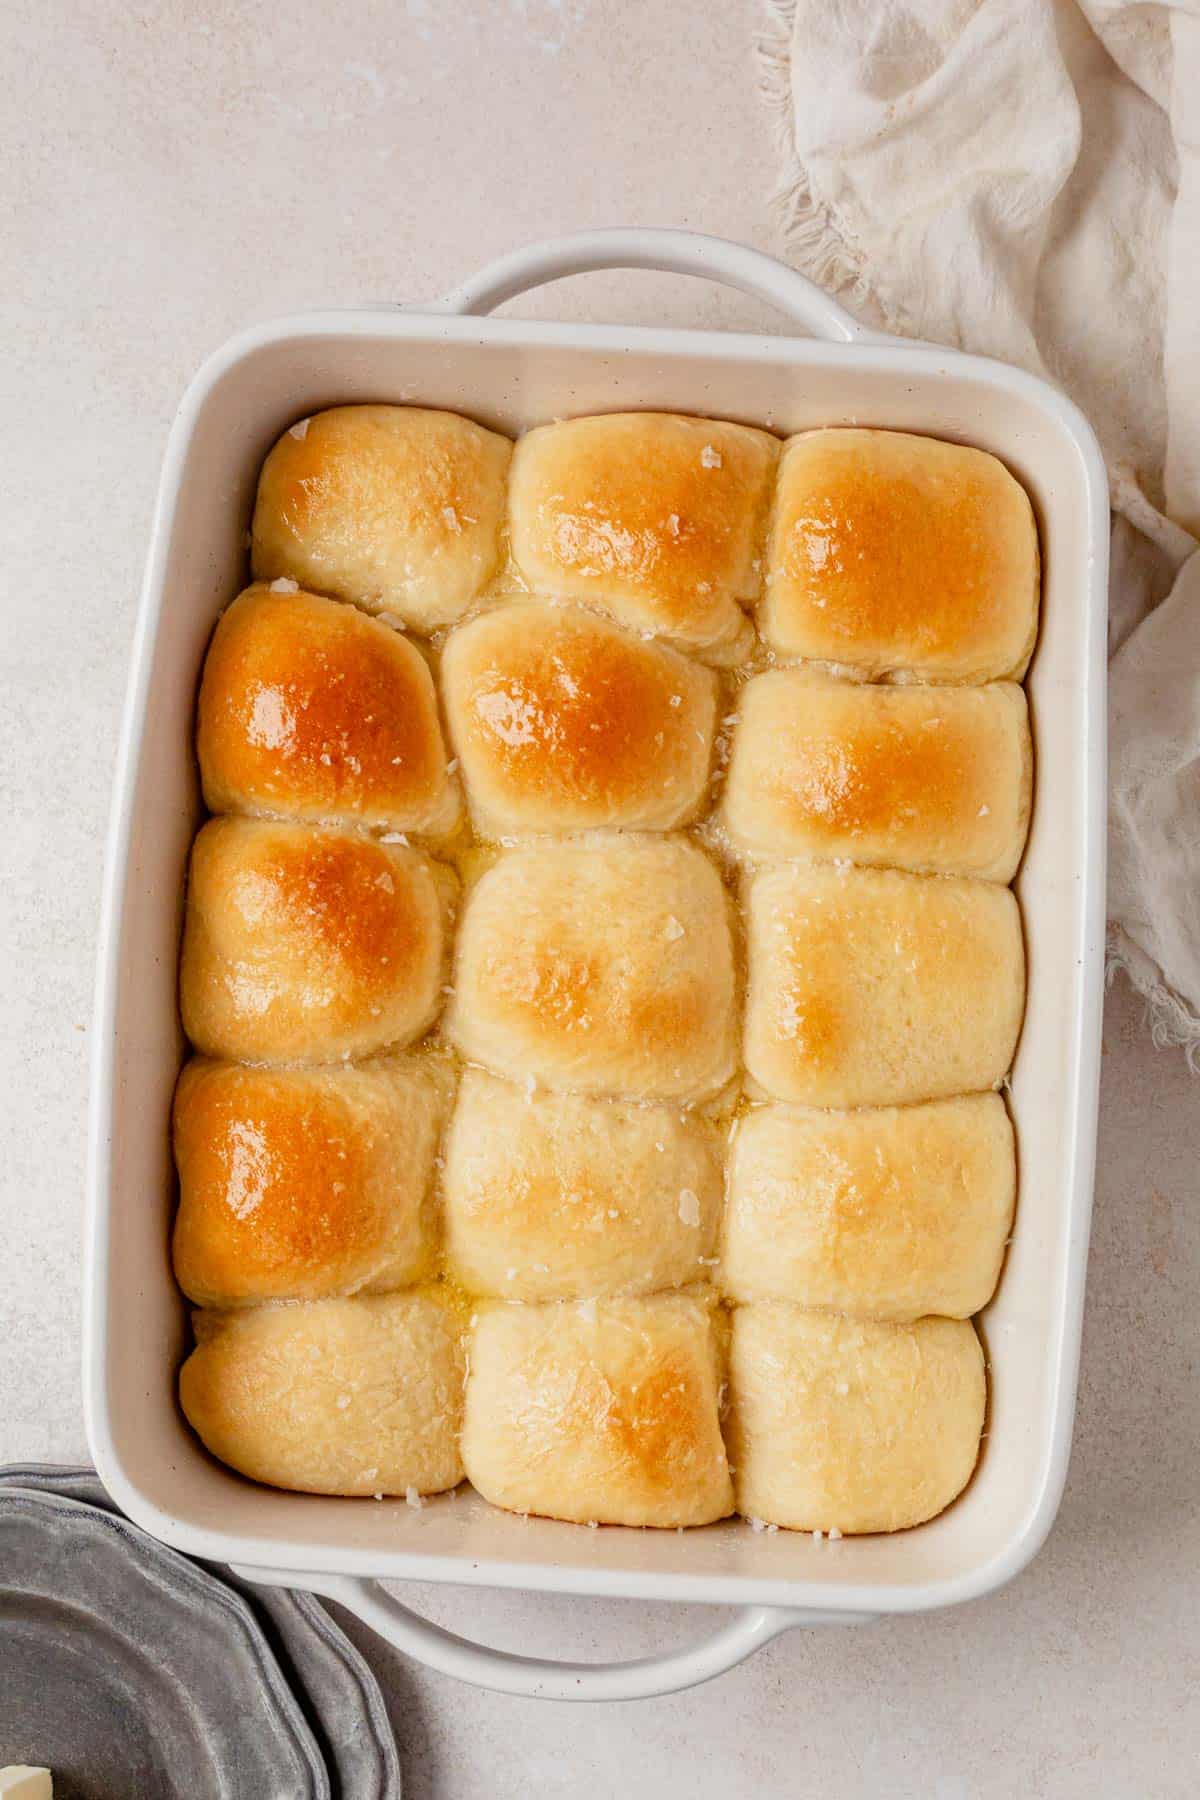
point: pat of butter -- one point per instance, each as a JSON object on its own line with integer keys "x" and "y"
{"x": 23, "y": 1783}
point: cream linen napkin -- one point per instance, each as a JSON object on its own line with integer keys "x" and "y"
{"x": 1022, "y": 178}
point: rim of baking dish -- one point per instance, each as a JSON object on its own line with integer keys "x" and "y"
{"x": 926, "y": 362}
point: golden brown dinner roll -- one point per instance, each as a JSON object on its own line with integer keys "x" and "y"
{"x": 935, "y": 779}
{"x": 311, "y": 710}
{"x": 553, "y": 1196}
{"x": 891, "y": 553}
{"x": 604, "y": 966}
{"x": 298, "y": 1183}
{"x": 394, "y": 507}
{"x": 655, "y": 518}
{"x": 302, "y": 945}
{"x": 599, "y": 1410}
{"x": 872, "y": 988}
{"x": 563, "y": 722}
{"x": 844, "y": 1425}
{"x": 889, "y": 1213}
{"x": 360, "y": 1396}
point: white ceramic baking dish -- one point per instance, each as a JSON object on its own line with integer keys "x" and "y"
{"x": 512, "y": 374}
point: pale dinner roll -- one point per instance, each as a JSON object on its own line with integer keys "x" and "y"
{"x": 396, "y": 508}
{"x": 844, "y": 1425}
{"x": 872, "y": 988}
{"x": 888, "y": 1214}
{"x": 302, "y": 945}
{"x": 360, "y": 1396}
{"x": 934, "y": 779}
{"x": 563, "y": 722}
{"x": 604, "y": 1410}
{"x": 900, "y": 554}
{"x": 299, "y": 1183}
{"x": 311, "y": 710}
{"x": 655, "y": 518}
{"x": 553, "y": 1196}
{"x": 604, "y": 966}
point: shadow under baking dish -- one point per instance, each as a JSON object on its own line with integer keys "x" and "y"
{"x": 511, "y": 374}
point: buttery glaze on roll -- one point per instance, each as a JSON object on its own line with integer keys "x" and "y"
{"x": 300, "y": 1183}
{"x": 655, "y": 518}
{"x": 396, "y": 508}
{"x": 361, "y": 1396}
{"x": 311, "y": 710}
{"x": 604, "y": 1411}
{"x": 889, "y": 1213}
{"x": 575, "y": 1193}
{"x": 895, "y": 554}
{"x": 928, "y": 779}
{"x": 553, "y": 1196}
{"x": 872, "y": 988}
{"x": 603, "y": 966}
{"x": 303, "y": 945}
{"x": 563, "y": 722}
{"x": 844, "y": 1425}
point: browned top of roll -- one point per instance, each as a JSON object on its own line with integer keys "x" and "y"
{"x": 308, "y": 708}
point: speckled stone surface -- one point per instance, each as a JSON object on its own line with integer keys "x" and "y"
{"x": 173, "y": 172}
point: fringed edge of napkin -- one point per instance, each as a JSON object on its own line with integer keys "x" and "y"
{"x": 813, "y": 231}
{"x": 1173, "y": 1026}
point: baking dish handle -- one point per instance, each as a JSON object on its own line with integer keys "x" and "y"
{"x": 670, "y": 252}
{"x": 507, "y": 1672}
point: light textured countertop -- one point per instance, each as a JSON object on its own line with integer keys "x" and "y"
{"x": 172, "y": 177}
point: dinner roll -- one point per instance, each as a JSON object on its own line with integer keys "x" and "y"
{"x": 360, "y": 1396}
{"x": 934, "y": 779}
{"x": 298, "y": 1183}
{"x": 599, "y": 1410}
{"x": 563, "y": 722}
{"x": 553, "y": 1196}
{"x": 899, "y": 554}
{"x": 844, "y": 1425}
{"x": 603, "y": 966}
{"x": 310, "y": 709}
{"x": 871, "y": 988}
{"x": 396, "y": 508}
{"x": 889, "y": 1213}
{"x": 302, "y": 945}
{"x": 654, "y": 518}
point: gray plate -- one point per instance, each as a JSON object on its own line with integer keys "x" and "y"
{"x": 133, "y": 1673}
{"x": 334, "y": 1686}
